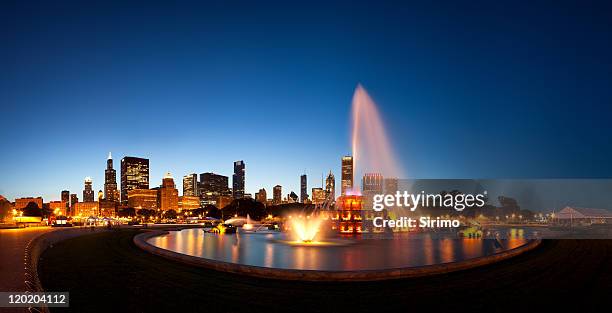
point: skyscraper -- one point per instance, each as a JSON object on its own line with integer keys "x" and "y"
{"x": 211, "y": 182}
{"x": 261, "y": 196}
{"x": 66, "y": 198}
{"x": 292, "y": 197}
{"x": 371, "y": 184}
{"x": 347, "y": 174}
{"x": 330, "y": 187}
{"x": 110, "y": 180}
{"x": 303, "y": 188}
{"x": 390, "y": 185}
{"x": 318, "y": 195}
{"x": 88, "y": 193}
{"x": 143, "y": 199}
{"x": 134, "y": 175}
{"x": 238, "y": 180}
{"x": 277, "y": 194}
{"x": 167, "y": 194}
{"x": 74, "y": 199}
{"x": 190, "y": 185}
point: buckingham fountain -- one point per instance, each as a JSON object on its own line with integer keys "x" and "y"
{"x": 336, "y": 241}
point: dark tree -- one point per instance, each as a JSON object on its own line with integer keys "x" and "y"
{"x": 146, "y": 213}
{"x": 32, "y": 209}
{"x": 212, "y": 211}
{"x": 126, "y": 212}
{"x": 5, "y": 209}
{"x": 170, "y": 214}
{"x": 242, "y": 207}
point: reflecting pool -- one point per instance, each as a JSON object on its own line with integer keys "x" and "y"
{"x": 275, "y": 250}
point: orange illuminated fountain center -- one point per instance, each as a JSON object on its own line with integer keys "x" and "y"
{"x": 305, "y": 230}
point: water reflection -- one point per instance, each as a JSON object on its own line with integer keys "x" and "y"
{"x": 270, "y": 250}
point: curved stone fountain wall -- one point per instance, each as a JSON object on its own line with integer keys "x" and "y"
{"x": 141, "y": 240}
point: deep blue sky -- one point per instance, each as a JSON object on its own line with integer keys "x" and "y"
{"x": 468, "y": 90}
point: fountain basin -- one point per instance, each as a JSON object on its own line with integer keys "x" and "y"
{"x": 256, "y": 255}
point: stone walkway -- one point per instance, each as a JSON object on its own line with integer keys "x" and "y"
{"x": 12, "y": 246}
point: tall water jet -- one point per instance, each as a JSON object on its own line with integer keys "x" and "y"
{"x": 372, "y": 152}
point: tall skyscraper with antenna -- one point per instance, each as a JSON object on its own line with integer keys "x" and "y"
{"x": 330, "y": 187}
{"x": 110, "y": 180}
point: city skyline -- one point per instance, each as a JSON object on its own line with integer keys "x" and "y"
{"x": 202, "y": 92}
{"x": 90, "y": 181}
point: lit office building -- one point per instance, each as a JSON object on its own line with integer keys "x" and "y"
{"x": 107, "y": 208}
{"x": 167, "y": 194}
{"x": 188, "y": 202}
{"x": 142, "y": 199}
{"x": 110, "y": 180}
{"x": 58, "y": 208}
{"x": 347, "y": 175}
{"x": 372, "y": 182}
{"x": 86, "y": 209}
{"x": 223, "y": 201}
{"x": 212, "y": 186}
{"x": 211, "y": 182}
{"x": 190, "y": 185}
{"x": 318, "y": 196}
{"x": 134, "y": 175}
{"x": 88, "y": 193}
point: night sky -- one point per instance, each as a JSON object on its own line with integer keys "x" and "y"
{"x": 468, "y": 90}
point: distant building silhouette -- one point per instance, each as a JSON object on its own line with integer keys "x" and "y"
{"x": 66, "y": 199}
{"x": 261, "y": 195}
{"x": 74, "y": 199}
{"x": 303, "y": 188}
{"x": 277, "y": 194}
{"x": 292, "y": 197}
{"x": 238, "y": 180}
{"x": 88, "y": 193}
